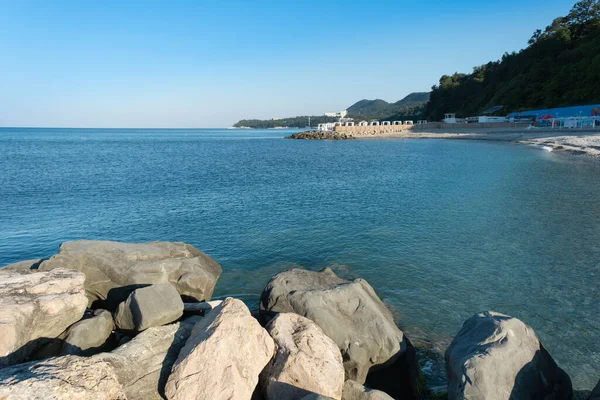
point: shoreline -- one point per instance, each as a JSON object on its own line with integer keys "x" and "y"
{"x": 577, "y": 142}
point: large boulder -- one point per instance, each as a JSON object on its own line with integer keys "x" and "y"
{"x": 61, "y": 378}
{"x": 150, "y": 306}
{"x": 114, "y": 269}
{"x": 36, "y": 308}
{"x": 144, "y": 363}
{"x": 223, "y": 357}
{"x": 90, "y": 335}
{"x": 355, "y": 391}
{"x": 497, "y": 357}
{"x": 306, "y": 361}
{"x": 351, "y": 314}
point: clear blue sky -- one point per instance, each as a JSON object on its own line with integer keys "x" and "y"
{"x": 210, "y": 63}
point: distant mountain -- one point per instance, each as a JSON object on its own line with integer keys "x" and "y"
{"x": 412, "y": 106}
{"x": 369, "y": 107}
{"x": 413, "y": 100}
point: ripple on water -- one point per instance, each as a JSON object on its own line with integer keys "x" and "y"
{"x": 440, "y": 229}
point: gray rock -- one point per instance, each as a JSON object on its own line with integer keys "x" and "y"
{"x": 355, "y": 391}
{"x": 314, "y": 396}
{"x": 150, "y": 306}
{"x": 61, "y": 378}
{"x": 497, "y": 357}
{"x": 114, "y": 269}
{"x": 90, "y": 335}
{"x": 356, "y": 319}
{"x": 306, "y": 361}
{"x": 36, "y": 308}
{"x": 143, "y": 364}
{"x": 223, "y": 357}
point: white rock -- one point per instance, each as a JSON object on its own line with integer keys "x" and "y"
{"x": 61, "y": 378}
{"x": 112, "y": 268}
{"x": 223, "y": 357}
{"x": 143, "y": 364}
{"x": 36, "y": 307}
{"x": 306, "y": 361}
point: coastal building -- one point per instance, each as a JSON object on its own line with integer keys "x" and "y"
{"x": 450, "y": 118}
{"x": 590, "y": 110}
{"x": 341, "y": 114}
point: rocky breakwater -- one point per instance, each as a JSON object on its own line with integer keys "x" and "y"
{"x": 320, "y": 135}
{"x": 317, "y": 336}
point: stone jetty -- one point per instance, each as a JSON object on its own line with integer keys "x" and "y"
{"x": 115, "y": 321}
{"x": 321, "y": 135}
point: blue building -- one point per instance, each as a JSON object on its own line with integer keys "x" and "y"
{"x": 562, "y": 112}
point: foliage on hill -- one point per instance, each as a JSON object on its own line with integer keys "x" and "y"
{"x": 410, "y": 107}
{"x": 560, "y": 67}
{"x": 294, "y": 122}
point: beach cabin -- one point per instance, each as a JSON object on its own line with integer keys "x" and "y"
{"x": 450, "y": 118}
{"x": 408, "y": 122}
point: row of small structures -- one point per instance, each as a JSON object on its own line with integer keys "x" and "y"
{"x": 331, "y": 125}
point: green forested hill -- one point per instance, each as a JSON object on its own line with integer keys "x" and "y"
{"x": 410, "y": 107}
{"x": 560, "y": 67}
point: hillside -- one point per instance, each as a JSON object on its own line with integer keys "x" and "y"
{"x": 560, "y": 67}
{"x": 410, "y": 107}
{"x": 380, "y": 109}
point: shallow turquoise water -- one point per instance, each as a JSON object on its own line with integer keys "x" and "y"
{"x": 441, "y": 229}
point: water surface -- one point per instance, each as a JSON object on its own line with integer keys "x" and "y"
{"x": 440, "y": 229}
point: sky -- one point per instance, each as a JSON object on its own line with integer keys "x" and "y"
{"x": 196, "y": 64}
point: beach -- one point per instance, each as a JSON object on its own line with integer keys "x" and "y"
{"x": 574, "y": 141}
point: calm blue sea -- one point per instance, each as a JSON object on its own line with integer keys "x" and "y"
{"x": 441, "y": 229}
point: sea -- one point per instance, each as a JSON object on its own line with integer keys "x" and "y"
{"x": 442, "y": 229}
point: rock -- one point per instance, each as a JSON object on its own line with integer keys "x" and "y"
{"x": 306, "y": 361}
{"x": 223, "y": 357}
{"x": 595, "y": 395}
{"x": 356, "y": 319}
{"x": 314, "y": 396}
{"x": 28, "y": 265}
{"x": 321, "y": 135}
{"x": 90, "y": 335}
{"x": 114, "y": 269}
{"x": 496, "y": 357}
{"x": 36, "y": 308}
{"x": 355, "y": 391}
{"x": 150, "y": 306}
{"x": 144, "y": 363}
{"x": 61, "y": 378}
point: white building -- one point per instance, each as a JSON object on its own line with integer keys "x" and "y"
{"x": 326, "y": 127}
{"x": 341, "y": 114}
{"x": 450, "y": 118}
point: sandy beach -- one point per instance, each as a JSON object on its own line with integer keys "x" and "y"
{"x": 575, "y": 141}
